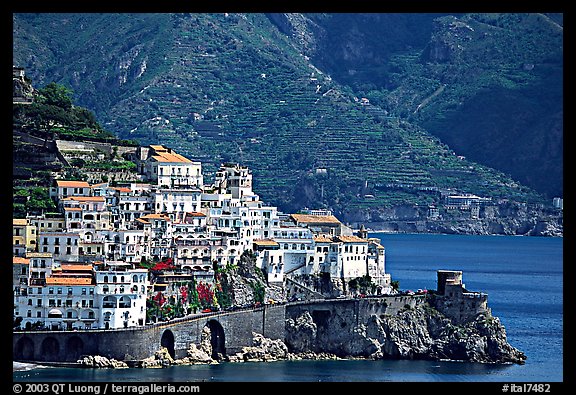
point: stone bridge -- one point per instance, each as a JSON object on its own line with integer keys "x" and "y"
{"x": 229, "y": 331}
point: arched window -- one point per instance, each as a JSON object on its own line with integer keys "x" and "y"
{"x": 134, "y": 278}
{"x": 125, "y": 302}
{"x": 109, "y": 302}
{"x": 105, "y": 279}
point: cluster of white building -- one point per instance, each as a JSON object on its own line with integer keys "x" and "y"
{"x": 79, "y": 268}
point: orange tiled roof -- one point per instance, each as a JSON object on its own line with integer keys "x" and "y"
{"x": 266, "y": 242}
{"x": 73, "y": 267}
{"x": 315, "y": 219}
{"x": 72, "y": 184}
{"x": 166, "y": 157}
{"x": 86, "y": 198}
{"x": 20, "y": 260}
{"x": 156, "y": 216}
{"x": 195, "y": 214}
{"x": 159, "y": 148}
{"x": 68, "y": 281}
{"x": 322, "y": 239}
{"x": 351, "y": 239}
{"x": 19, "y": 221}
{"x": 122, "y": 189}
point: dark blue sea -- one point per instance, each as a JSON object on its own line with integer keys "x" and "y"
{"x": 523, "y": 277}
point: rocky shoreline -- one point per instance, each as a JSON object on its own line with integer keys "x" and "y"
{"x": 419, "y": 333}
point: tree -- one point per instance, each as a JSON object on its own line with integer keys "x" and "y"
{"x": 56, "y": 95}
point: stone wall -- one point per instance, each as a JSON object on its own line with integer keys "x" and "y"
{"x": 139, "y": 343}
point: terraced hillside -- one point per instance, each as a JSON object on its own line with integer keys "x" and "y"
{"x": 219, "y": 87}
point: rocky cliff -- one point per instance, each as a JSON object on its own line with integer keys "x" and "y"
{"x": 414, "y": 332}
{"x": 502, "y": 219}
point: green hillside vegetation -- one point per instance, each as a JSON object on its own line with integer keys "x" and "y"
{"x": 51, "y": 116}
{"x": 233, "y": 88}
{"x": 488, "y": 85}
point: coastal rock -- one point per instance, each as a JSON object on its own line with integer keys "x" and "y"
{"x": 419, "y": 332}
{"x": 195, "y": 355}
{"x": 262, "y": 349}
{"x": 301, "y": 333}
{"x": 99, "y": 362}
{"x": 160, "y": 359}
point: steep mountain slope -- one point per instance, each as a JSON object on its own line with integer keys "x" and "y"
{"x": 488, "y": 85}
{"x": 234, "y": 87}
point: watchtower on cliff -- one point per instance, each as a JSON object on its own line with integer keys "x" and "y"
{"x": 447, "y": 279}
{"x": 454, "y": 301}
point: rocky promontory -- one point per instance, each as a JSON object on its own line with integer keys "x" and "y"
{"x": 419, "y": 332}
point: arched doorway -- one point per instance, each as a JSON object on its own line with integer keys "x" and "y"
{"x": 74, "y": 348}
{"x": 217, "y": 339}
{"x": 24, "y": 350}
{"x": 49, "y": 349}
{"x": 167, "y": 341}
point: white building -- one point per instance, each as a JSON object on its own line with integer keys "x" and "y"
{"x": 64, "y": 189}
{"x": 169, "y": 169}
{"x": 120, "y": 294}
{"x": 235, "y": 180}
{"x": 78, "y": 296}
{"x": 63, "y": 246}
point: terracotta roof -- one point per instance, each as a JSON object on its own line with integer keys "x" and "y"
{"x": 86, "y": 198}
{"x": 72, "y": 267}
{"x": 68, "y": 281}
{"x": 142, "y": 220}
{"x": 156, "y": 216}
{"x": 195, "y": 214}
{"x": 102, "y": 184}
{"x": 351, "y": 239}
{"x": 19, "y": 221}
{"x": 170, "y": 158}
{"x": 122, "y": 189}
{"x": 72, "y": 184}
{"x": 159, "y": 148}
{"x": 315, "y": 219}
{"x": 266, "y": 242}
{"x": 19, "y": 260}
{"x": 322, "y": 239}
{"x": 73, "y": 208}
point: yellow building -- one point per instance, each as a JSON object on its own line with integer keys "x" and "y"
{"x": 23, "y": 237}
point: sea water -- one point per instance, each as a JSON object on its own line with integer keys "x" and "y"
{"x": 523, "y": 277}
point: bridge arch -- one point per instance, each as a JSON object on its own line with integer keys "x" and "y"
{"x": 49, "y": 349}
{"x": 74, "y": 348}
{"x": 24, "y": 350}
{"x": 217, "y": 339}
{"x": 167, "y": 340}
